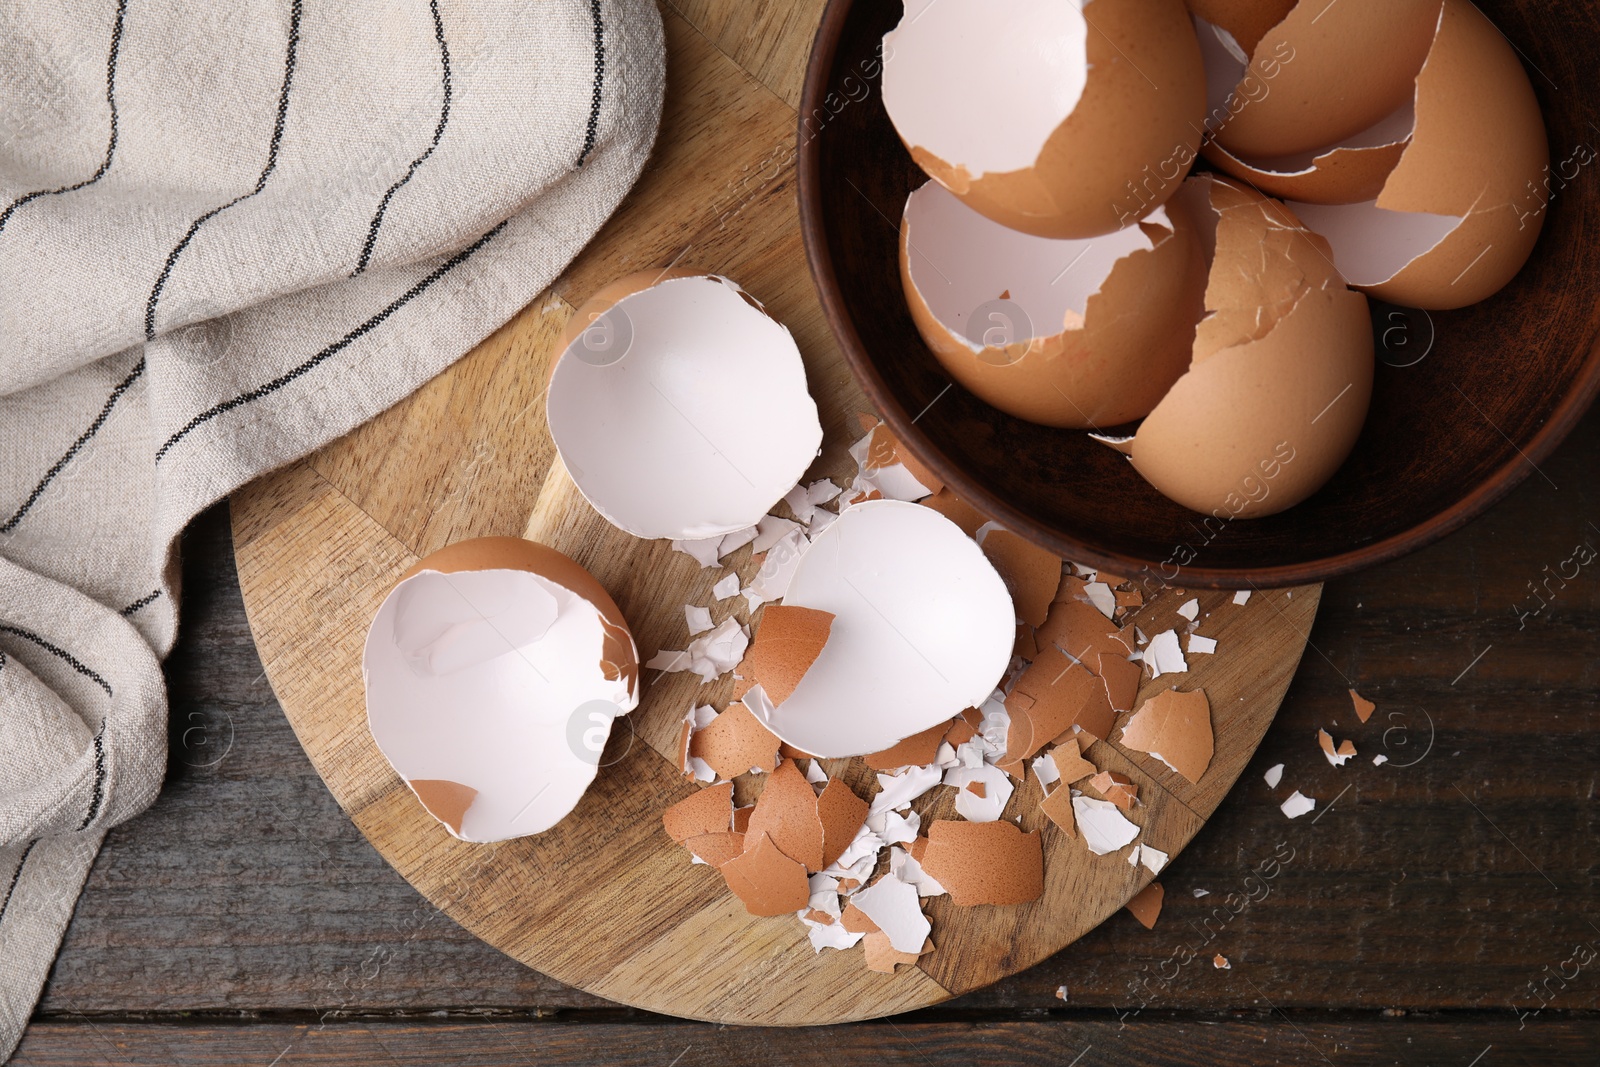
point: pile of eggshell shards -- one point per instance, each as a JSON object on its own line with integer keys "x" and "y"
{"x": 1067, "y": 264}
{"x": 890, "y": 622}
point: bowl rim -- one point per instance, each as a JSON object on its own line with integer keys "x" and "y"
{"x": 1564, "y": 417}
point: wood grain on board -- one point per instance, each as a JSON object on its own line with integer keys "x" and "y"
{"x": 605, "y": 901}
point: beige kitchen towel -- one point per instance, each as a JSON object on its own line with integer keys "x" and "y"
{"x": 230, "y": 232}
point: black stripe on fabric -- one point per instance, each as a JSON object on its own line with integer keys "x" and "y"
{"x": 111, "y": 142}
{"x": 599, "y": 82}
{"x": 15, "y": 878}
{"x": 140, "y": 604}
{"x": 438, "y": 133}
{"x": 261, "y": 182}
{"x": 98, "y": 797}
{"x": 60, "y": 653}
{"x": 83, "y": 439}
{"x": 335, "y": 348}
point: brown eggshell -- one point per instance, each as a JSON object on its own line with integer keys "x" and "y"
{"x": 1338, "y": 176}
{"x": 515, "y": 553}
{"x": 786, "y": 812}
{"x": 1121, "y": 677}
{"x": 985, "y": 862}
{"x": 882, "y": 956}
{"x": 956, "y": 510}
{"x": 1146, "y": 905}
{"x": 735, "y": 743}
{"x": 841, "y": 814}
{"x": 1115, "y": 787}
{"x": 1364, "y": 707}
{"x": 707, "y": 811}
{"x": 717, "y": 848}
{"x": 1109, "y": 368}
{"x": 1057, "y": 807}
{"x": 1480, "y": 151}
{"x": 1079, "y": 629}
{"x": 1176, "y": 725}
{"x": 1045, "y": 701}
{"x": 918, "y": 750}
{"x": 788, "y": 642}
{"x": 1031, "y": 572}
{"x": 1138, "y": 120}
{"x": 768, "y": 882}
{"x": 446, "y": 801}
{"x": 1326, "y": 72}
{"x": 1247, "y": 20}
{"x": 1070, "y": 763}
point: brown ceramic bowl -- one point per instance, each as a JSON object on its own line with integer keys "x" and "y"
{"x": 1466, "y": 403}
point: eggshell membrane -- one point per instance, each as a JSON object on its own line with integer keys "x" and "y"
{"x": 1479, "y": 155}
{"x": 922, "y": 628}
{"x": 670, "y": 440}
{"x": 473, "y": 666}
{"x": 1112, "y": 316}
{"x": 1327, "y": 72}
{"x": 1141, "y": 109}
{"x": 984, "y": 862}
{"x": 1282, "y": 372}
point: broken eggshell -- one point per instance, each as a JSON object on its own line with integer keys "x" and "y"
{"x": 493, "y": 672}
{"x": 1282, "y": 371}
{"x": 1461, "y": 211}
{"x": 922, "y": 628}
{"x": 1069, "y": 333}
{"x": 652, "y": 409}
{"x": 1039, "y": 123}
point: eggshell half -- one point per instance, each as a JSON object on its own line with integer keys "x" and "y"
{"x": 1071, "y": 333}
{"x": 1049, "y": 119}
{"x": 679, "y": 406}
{"x": 1461, "y": 212}
{"x": 1326, "y": 72}
{"x": 493, "y": 672}
{"x": 922, "y": 628}
{"x": 1282, "y": 371}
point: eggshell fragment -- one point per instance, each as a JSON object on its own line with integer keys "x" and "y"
{"x": 842, "y": 814}
{"x": 1071, "y": 333}
{"x": 768, "y": 882}
{"x": 650, "y": 406}
{"x": 1070, "y": 764}
{"x": 706, "y": 811}
{"x": 985, "y": 862}
{"x": 882, "y": 956}
{"x": 1460, "y": 213}
{"x": 958, "y": 511}
{"x": 715, "y": 849}
{"x": 494, "y": 670}
{"x": 1038, "y": 121}
{"x": 785, "y": 647}
{"x": 1146, "y": 905}
{"x": 918, "y": 750}
{"x": 1364, "y": 707}
{"x": 735, "y": 743}
{"x": 1115, "y": 787}
{"x": 1058, "y": 808}
{"x": 923, "y": 627}
{"x": 1326, "y": 72}
{"x": 1175, "y": 728}
{"x": 895, "y": 908}
{"x": 1031, "y": 572}
{"x": 786, "y": 813}
{"x": 1287, "y": 343}
{"x": 1102, "y": 825}
{"x": 1046, "y": 701}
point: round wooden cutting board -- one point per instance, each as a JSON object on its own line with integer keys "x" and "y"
{"x": 605, "y": 901}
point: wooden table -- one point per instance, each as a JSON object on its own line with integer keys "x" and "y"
{"x": 1439, "y": 909}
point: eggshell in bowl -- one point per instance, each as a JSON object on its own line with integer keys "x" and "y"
{"x": 1282, "y": 371}
{"x": 494, "y": 671}
{"x": 1072, "y": 333}
{"x": 1463, "y": 208}
{"x": 1043, "y": 116}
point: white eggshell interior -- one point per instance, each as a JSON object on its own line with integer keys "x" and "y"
{"x": 961, "y": 260}
{"x": 492, "y": 679}
{"x": 923, "y": 629}
{"x": 1370, "y": 244}
{"x": 701, "y": 427}
{"x": 984, "y": 86}
{"x": 1225, "y": 63}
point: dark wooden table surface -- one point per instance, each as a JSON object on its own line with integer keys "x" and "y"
{"x": 1439, "y": 909}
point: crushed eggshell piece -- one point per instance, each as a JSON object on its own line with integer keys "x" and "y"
{"x": 842, "y": 815}
{"x": 985, "y": 862}
{"x": 982, "y": 791}
{"x": 1242, "y": 596}
{"x": 706, "y": 811}
{"x": 1298, "y": 804}
{"x": 1164, "y": 655}
{"x": 1057, "y": 807}
{"x": 1121, "y": 677}
{"x": 1072, "y": 766}
{"x": 1273, "y": 776}
{"x": 1031, "y": 573}
{"x": 717, "y": 848}
{"x": 1364, "y": 707}
{"x": 767, "y": 881}
{"x": 1175, "y": 728}
{"x": 727, "y": 587}
{"x": 1115, "y": 787}
{"x": 882, "y": 956}
{"x": 1102, "y": 825}
{"x": 1146, "y": 905}
{"x": 786, "y": 812}
{"x": 958, "y": 511}
{"x": 735, "y": 743}
{"x": 918, "y": 750}
{"x": 1220, "y": 962}
{"x": 1336, "y": 756}
{"x": 895, "y": 907}
{"x": 787, "y": 644}
{"x": 1201, "y": 646}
